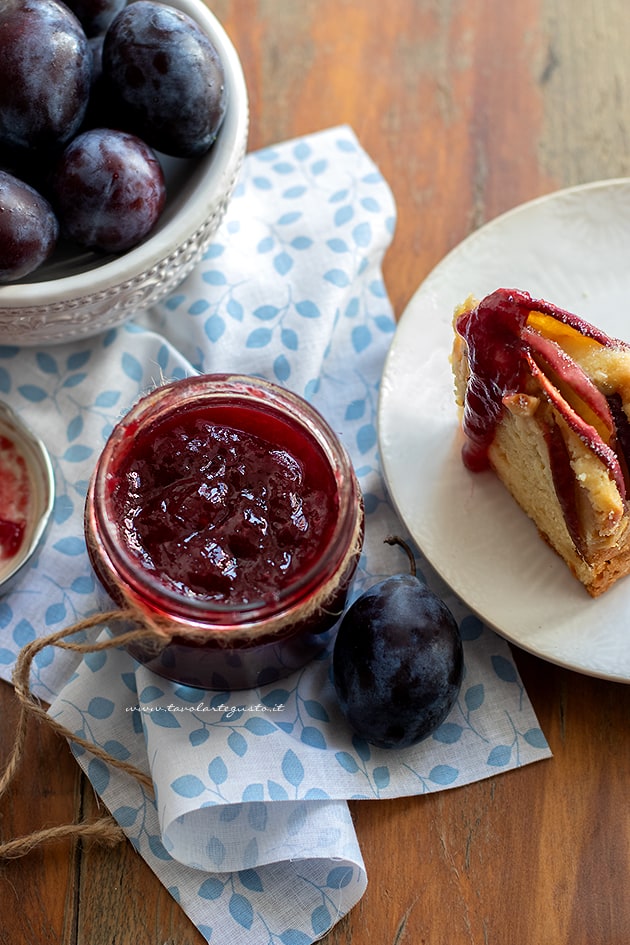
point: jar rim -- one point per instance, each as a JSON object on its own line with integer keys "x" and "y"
{"x": 256, "y": 393}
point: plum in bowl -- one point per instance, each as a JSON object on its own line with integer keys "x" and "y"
{"x": 80, "y": 292}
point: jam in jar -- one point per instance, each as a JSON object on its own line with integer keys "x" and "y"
{"x": 226, "y": 514}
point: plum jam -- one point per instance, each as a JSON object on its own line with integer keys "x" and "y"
{"x": 226, "y": 513}
{"x": 14, "y": 498}
{"x": 26, "y": 495}
{"x": 222, "y": 514}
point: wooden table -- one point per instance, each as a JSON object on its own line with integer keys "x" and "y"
{"x": 469, "y": 108}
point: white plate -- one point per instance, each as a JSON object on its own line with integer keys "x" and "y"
{"x": 572, "y": 248}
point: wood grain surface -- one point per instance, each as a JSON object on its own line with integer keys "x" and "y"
{"x": 469, "y": 107}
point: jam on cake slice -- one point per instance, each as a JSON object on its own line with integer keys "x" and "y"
{"x": 545, "y": 400}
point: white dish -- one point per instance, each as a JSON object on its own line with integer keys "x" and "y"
{"x": 571, "y": 248}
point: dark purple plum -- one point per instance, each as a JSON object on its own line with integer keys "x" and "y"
{"x": 28, "y": 228}
{"x": 95, "y": 16}
{"x": 397, "y": 662}
{"x": 45, "y": 73}
{"x": 108, "y": 190}
{"x": 166, "y": 77}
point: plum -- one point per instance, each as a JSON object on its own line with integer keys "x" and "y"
{"x": 28, "y": 228}
{"x": 165, "y": 78}
{"x": 45, "y": 74}
{"x": 108, "y": 190}
{"x": 397, "y": 661}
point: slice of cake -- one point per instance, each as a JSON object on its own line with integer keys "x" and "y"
{"x": 545, "y": 400}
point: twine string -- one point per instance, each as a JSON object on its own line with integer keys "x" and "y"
{"x": 105, "y": 829}
{"x": 154, "y": 634}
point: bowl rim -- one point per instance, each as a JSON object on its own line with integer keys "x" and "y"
{"x": 226, "y": 156}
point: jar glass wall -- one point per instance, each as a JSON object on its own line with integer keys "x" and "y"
{"x": 225, "y": 512}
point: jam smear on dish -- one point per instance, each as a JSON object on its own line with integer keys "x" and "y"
{"x": 14, "y": 499}
{"x": 224, "y": 503}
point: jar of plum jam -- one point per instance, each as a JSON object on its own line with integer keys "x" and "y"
{"x": 225, "y": 513}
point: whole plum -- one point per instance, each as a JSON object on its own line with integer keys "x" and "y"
{"x": 28, "y": 228}
{"x": 108, "y": 190}
{"x": 167, "y": 78}
{"x": 45, "y": 73}
{"x": 95, "y": 15}
{"x": 397, "y": 662}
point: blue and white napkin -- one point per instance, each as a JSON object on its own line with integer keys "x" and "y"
{"x": 249, "y": 827}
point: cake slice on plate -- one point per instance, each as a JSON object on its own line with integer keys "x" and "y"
{"x": 545, "y": 400}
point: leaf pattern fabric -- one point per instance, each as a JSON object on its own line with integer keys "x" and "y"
{"x": 249, "y": 828}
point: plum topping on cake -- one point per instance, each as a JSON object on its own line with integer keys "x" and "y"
{"x": 506, "y": 343}
{"x": 546, "y": 395}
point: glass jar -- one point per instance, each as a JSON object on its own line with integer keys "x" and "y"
{"x": 226, "y": 514}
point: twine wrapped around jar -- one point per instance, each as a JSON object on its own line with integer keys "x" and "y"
{"x": 249, "y": 633}
{"x": 151, "y": 618}
{"x": 153, "y": 634}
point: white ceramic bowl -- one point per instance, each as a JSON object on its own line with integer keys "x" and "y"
{"x": 78, "y": 294}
